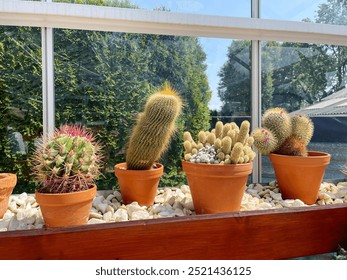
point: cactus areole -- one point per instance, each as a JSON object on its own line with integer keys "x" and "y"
{"x": 67, "y": 161}
{"x": 153, "y": 130}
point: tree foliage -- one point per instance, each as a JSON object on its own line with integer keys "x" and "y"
{"x": 102, "y": 80}
{"x": 294, "y": 75}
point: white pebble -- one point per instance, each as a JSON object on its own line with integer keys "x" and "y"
{"x": 98, "y": 200}
{"x": 121, "y": 215}
{"x": 108, "y": 216}
{"x": 140, "y": 215}
{"x": 95, "y": 215}
{"x": 96, "y": 221}
{"x": 101, "y": 207}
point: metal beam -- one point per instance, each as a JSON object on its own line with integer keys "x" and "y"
{"x": 89, "y": 17}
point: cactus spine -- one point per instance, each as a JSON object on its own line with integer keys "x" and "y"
{"x": 153, "y": 130}
{"x": 67, "y": 161}
{"x": 283, "y": 134}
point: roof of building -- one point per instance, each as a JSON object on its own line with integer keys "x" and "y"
{"x": 334, "y": 105}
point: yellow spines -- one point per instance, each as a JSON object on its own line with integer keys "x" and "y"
{"x": 187, "y": 146}
{"x": 211, "y": 137}
{"x": 202, "y": 137}
{"x": 278, "y": 121}
{"x": 218, "y": 143}
{"x": 244, "y": 132}
{"x": 264, "y": 140}
{"x": 154, "y": 128}
{"x": 283, "y": 134}
{"x": 302, "y": 126}
{"x": 226, "y": 145}
{"x": 236, "y": 153}
{"x": 226, "y": 129}
{"x": 224, "y": 139}
{"x": 219, "y": 130}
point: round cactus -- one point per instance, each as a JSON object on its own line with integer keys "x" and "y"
{"x": 283, "y": 134}
{"x": 302, "y": 126}
{"x": 277, "y": 120}
{"x": 67, "y": 161}
{"x": 264, "y": 140}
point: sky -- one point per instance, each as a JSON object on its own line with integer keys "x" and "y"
{"x": 215, "y": 48}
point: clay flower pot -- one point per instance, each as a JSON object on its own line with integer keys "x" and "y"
{"x": 7, "y": 184}
{"x": 66, "y": 209}
{"x": 138, "y": 185}
{"x": 217, "y": 188}
{"x": 300, "y": 177}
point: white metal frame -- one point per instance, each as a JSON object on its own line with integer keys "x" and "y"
{"x": 88, "y": 17}
{"x": 48, "y": 15}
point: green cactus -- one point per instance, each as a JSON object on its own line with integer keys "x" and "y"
{"x": 202, "y": 137}
{"x": 302, "y": 126}
{"x": 264, "y": 140}
{"x": 67, "y": 161}
{"x": 277, "y": 120}
{"x": 283, "y": 134}
{"x": 227, "y": 149}
{"x": 218, "y": 143}
{"x": 226, "y": 145}
{"x": 153, "y": 130}
{"x": 244, "y": 132}
{"x": 219, "y": 129}
{"x": 236, "y": 153}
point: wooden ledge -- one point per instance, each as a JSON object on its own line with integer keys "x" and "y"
{"x": 262, "y": 234}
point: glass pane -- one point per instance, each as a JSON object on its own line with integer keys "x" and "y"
{"x": 20, "y": 101}
{"x": 319, "y": 11}
{"x": 102, "y": 80}
{"x": 206, "y": 7}
{"x": 309, "y": 79}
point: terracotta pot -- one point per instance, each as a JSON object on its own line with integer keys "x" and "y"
{"x": 300, "y": 177}
{"x": 66, "y": 209}
{"x": 7, "y": 184}
{"x": 138, "y": 185}
{"x": 217, "y": 188}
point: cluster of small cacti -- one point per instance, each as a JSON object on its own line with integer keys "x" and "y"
{"x": 282, "y": 133}
{"x": 153, "y": 130}
{"x": 225, "y": 144}
{"x": 67, "y": 161}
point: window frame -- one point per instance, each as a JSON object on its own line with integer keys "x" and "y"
{"x": 49, "y": 15}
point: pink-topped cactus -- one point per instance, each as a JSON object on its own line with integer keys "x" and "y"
{"x": 67, "y": 161}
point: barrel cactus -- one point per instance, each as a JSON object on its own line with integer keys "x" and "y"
{"x": 154, "y": 129}
{"x": 67, "y": 161}
{"x": 225, "y": 144}
{"x": 282, "y": 133}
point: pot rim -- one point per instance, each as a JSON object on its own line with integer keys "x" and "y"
{"x": 311, "y": 154}
{"x": 122, "y": 167}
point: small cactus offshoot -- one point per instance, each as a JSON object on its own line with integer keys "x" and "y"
{"x": 282, "y": 133}
{"x": 225, "y": 144}
{"x": 67, "y": 161}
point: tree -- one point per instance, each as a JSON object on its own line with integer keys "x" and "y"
{"x": 234, "y": 86}
{"x": 102, "y": 80}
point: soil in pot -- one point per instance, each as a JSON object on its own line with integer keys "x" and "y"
{"x": 66, "y": 209}
{"x": 138, "y": 185}
{"x": 217, "y": 188}
{"x": 300, "y": 177}
{"x": 7, "y": 183}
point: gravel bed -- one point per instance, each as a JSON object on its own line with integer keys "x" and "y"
{"x": 24, "y": 212}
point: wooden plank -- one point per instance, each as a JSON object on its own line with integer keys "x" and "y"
{"x": 267, "y": 234}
